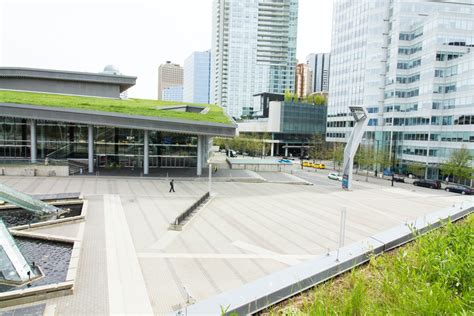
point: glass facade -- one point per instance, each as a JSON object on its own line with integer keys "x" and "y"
{"x": 197, "y": 69}
{"x": 253, "y": 51}
{"x": 300, "y": 118}
{"x": 412, "y": 60}
{"x": 174, "y": 93}
{"x": 319, "y": 65}
{"x": 119, "y": 147}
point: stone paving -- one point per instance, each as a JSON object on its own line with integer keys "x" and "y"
{"x": 131, "y": 263}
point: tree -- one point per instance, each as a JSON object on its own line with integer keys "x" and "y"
{"x": 288, "y": 96}
{"x": 459, "y": 164}
{"x": 295, "y": 98}
{"x": 318, "y": 147}
{"x": 416, "y": 168}
{"x": 365, "y": 158}
{"x": 383, "y": 159}
{"x": 337, "y": 153}
{"x": 319, "y": 99}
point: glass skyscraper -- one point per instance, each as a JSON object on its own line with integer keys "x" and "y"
{"x": 197, "y": 69}
{"x": 319, "y": 66}
{"x": 411, "y": 64}
{"x": 253, "y": 51}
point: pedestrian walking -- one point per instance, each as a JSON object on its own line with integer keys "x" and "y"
{"x": 172, "y": 186}
{"x": 447, "y": 180}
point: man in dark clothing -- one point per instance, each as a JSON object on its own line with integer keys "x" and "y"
{"x": 172, "y": 185}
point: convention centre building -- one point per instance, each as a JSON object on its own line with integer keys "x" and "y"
{"x": 87, "y": 121}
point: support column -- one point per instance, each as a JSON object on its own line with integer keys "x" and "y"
{"x": 199, "y": 155}
{"x": 90, "y": 147}
{"x": 145, "y": 153}
{"x": 205, "y": 150}
{"x": 272, "y": 145}
{"x": 33, "y": 150}
{"x": 286, "y": 150}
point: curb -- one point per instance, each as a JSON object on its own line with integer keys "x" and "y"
{"x": 276, "y": 287}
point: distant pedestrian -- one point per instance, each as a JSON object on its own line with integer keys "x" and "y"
{"x": 172, "y": 186}
{"x": 447, "y": 180}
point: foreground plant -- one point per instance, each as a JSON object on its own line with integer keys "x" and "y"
{"x": 433, "y": 275}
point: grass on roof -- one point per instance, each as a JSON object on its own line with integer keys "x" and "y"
{"x": 131, "y": 106}
{"x": 433, "y": 275}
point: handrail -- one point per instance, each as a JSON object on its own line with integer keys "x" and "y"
{"x": 180, "y": 218}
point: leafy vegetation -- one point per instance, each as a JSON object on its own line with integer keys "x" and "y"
{"x": 131, "y": 106}
{"x": 459, "y": 164}
{"x": 319, "y": 148}
{"x": 417, "y": 169}
{"x": 433, "y": 275}
{"x": 251, "y": 144}
{"x": 316, "y": 99}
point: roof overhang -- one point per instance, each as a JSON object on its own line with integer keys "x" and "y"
{"x": 34, "y": 112}
{"x": 124, "y": 82}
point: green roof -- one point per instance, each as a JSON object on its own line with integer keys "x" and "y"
{"x": 131, "y": 106}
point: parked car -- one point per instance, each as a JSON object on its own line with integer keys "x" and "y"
{"x": 433, "y": 184}
{"x": 307, "y": 164}
{"x": 231, "y": 153}
{"x": 387, "y": 172}
{"x": 398, "y": 178}
{"x": 319, "y": 166}
{"x": 457, "y": 188}
{"x": 335, "y": 176}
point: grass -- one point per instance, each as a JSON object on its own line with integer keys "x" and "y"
{"x": 130, "y": 106}
{"x": 433, "y": 275}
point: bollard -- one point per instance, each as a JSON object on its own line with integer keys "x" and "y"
{"x": 342, "y": 231}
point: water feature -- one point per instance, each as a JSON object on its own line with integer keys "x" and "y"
{"x": 14, "y": 268}
{"x": 53, "y": 258}
{"x": 18, "y": 216}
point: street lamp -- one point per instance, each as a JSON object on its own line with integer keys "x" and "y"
{"x": 210, "y": 175}
{"x": 393, "y": 159}
{"x": 360, "y": 116}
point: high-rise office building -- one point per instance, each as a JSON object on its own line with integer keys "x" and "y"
{"x": 411, "y": 64}
{"x": 253, "y": 51}
{"x": 303, "y": 80}
{"x": 169, "y": 75}
{"x": 173, "y": 93}
{"x": 319, "y": 66}
{"x": 197, "y": 69}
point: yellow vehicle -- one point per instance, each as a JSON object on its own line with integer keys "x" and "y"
{"x": 319, "y": 166}
{"x": 307, "y": 164}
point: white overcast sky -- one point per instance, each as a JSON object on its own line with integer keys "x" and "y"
{"x": 136, "y": 36}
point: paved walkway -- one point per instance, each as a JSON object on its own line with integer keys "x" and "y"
{"x": 132, "y": 263}
{"x": 126, "y": 286}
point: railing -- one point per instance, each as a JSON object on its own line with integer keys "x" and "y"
{"x": 62, "y": 152}
{"x": 182, "y": 217}
{"x": 39, "y": 162}
{"x": 76, "y": 166}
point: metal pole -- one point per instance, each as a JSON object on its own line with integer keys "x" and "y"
{"x": 377, "y": 158}
{"x": 210, "y": 177}
{"x": 342, "y": 231}
{"x": 199, "y": 155}
{"x": 33, "y": 150}
{"x": 393, "y": 159}
{"x": 90, "y": 148}
{"x": 145, "y": 153}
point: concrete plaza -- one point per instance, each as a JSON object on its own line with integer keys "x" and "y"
{"x": 131, "y": 263}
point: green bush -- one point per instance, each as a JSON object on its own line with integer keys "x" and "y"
{"x": 433, "y": 275}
